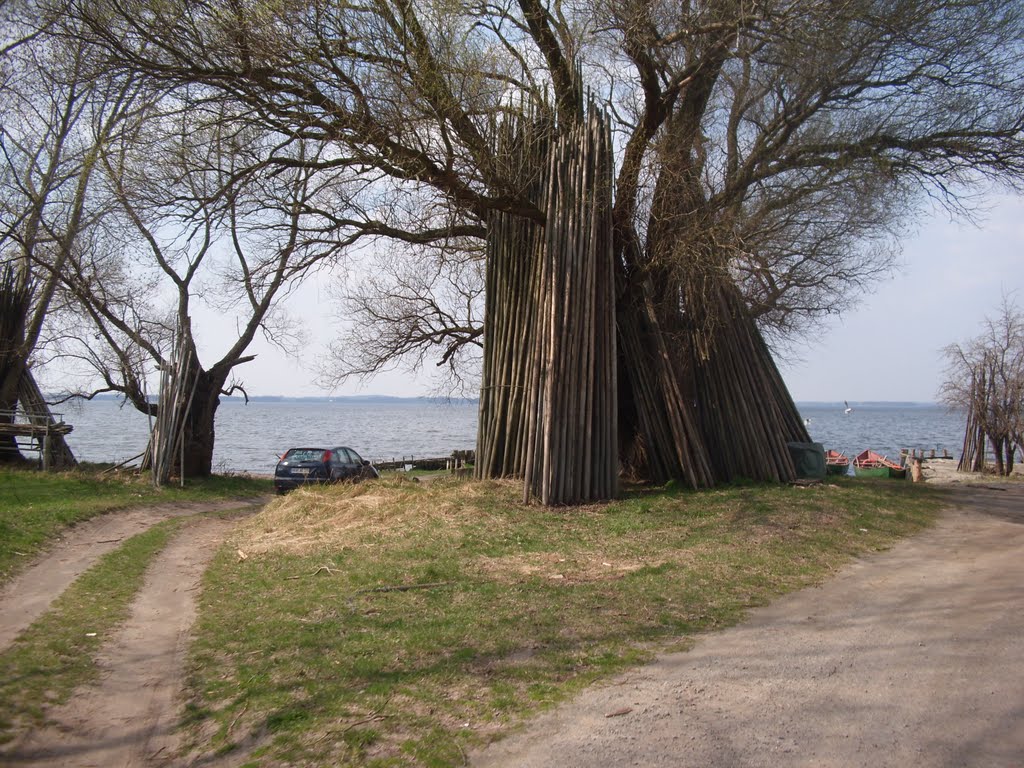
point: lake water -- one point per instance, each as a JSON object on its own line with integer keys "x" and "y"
{"x": 884, "y": 428}
{"x": 250, "y": 437}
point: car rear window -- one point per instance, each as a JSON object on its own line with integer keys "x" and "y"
{"x": 304, "y": 454}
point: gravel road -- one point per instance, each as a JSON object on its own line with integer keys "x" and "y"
{"x": 912, "y": 657}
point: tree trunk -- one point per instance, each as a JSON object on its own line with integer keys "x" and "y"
{"x": 15, "y": 301}
{"x": 997, "y": 449}
{"x": 198, "y": 435}
{"x": 719, "y": 367}
{"x": 9, "y": 376}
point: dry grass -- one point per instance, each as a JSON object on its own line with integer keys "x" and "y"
{"x": 311, "y": 521}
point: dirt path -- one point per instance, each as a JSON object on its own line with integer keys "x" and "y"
{"x": 128, "y": 717}
{"x": 26, "y": 597}
{"x": 908, "y": 658}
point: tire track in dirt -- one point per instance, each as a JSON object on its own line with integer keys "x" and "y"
{"x": 27, "y": 597}
{"x": 128, "y": 717}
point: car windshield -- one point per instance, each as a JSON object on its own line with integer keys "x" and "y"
{"x": 304, "y": 454}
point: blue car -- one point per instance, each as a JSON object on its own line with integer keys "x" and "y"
{"x": 301, "y": 466}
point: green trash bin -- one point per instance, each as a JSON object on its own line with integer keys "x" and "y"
{"x": 809, "y": 460}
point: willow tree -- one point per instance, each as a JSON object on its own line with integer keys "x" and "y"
{"x": 768, "y": 155}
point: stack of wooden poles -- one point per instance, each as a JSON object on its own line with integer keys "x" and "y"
{"x": 57, "y": 452}
{"x": 514, "y": 249}
{"x": 548, "y": 407}
{"x": 673, "y": 447}
{"x": 178, "y": 378}
{"x": 972, "y": 457}
{"x": 746, "y": 413}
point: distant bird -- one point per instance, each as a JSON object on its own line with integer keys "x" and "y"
{"x": 807, "y": 422}
{"x": 848, "y": 410}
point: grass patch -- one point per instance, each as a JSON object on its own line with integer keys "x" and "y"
{"x": 326, "y": 663}
{"x": 56, "y": 654}
{"x": 34, "y": 506}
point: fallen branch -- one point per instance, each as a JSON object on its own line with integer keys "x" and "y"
{"x": 321, "y": 569}
{"x": 405, "y": 587}
{"x": 123, "y": 463}
{"x": 375, "y": 715}
{"x": 372, "y": 717}
{"x": 239, "y": 715}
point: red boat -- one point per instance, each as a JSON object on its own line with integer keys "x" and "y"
{"x": 871, "y": 464}
{"x": 836, "y": 463}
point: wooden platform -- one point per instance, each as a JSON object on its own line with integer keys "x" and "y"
{"x": 45, "y": 436}
{"x": 34, "y": 420}
{"x": 35, "y": 430}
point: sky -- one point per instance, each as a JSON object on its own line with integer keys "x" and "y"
{"x": 953, "y": 274}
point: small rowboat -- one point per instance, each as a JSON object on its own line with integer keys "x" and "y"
{"x": 836, "y": 463}
{"x": 871, "y": 464}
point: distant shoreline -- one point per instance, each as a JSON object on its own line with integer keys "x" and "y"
{"x": 236, "y": 399}
{"x": 370, "y": 399}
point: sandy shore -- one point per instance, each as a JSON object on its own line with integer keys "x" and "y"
{"x": 943, "y": 472}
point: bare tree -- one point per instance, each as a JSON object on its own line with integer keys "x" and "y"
{"x": 412, "y": 303}
{"x": 21, "y": 22}
{"x": 203, "y": 222}
{"x": 56, "y": 120}
{"x": 985, "y": 381}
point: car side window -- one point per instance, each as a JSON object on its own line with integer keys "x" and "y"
{"x": 355, "y": 457}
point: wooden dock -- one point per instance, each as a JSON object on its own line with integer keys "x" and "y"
{"x": 457, "y": 460}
